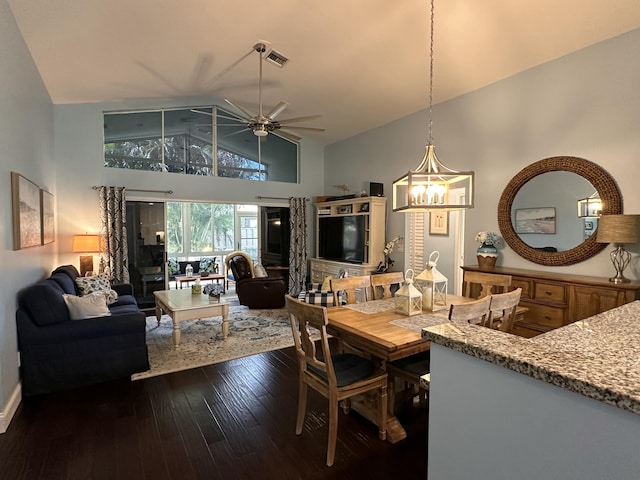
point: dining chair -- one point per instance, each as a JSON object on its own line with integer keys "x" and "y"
{"x": 336, "y": 376}
{"x": 503, "y": 310}
{"x": 411, "y": 368}
{"x": 476, "y": 311}
{"x": 381, "y": 284}
{"x": 349, "y": 286}
{"x": 487, "y": 282}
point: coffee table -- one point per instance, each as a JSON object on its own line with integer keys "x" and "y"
{"x": 182, "y": 305}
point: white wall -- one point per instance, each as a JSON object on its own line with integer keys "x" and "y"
{"x": 585, "y": 104}
{"x": 26, "y": 147}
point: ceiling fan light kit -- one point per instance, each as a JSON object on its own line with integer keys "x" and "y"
{"x": 432, "y": 186}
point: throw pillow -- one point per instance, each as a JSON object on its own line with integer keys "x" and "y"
{"x": 86, "y": 307}
{"x": 326, "y": 284}
{"x": 97, "y": 283}
{"x": 208, "y": 265}
{"x": 260, "y": 271}
{"x": 174, "y": 268}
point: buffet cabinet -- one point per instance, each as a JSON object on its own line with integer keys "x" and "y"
{"x": 557, "y": 299}
{"x": 321, "y": 268}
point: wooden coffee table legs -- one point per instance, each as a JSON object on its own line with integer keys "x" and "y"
{"x": 180, "y": 312}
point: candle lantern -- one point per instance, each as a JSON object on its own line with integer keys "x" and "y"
{"x": 433, "y": 285}
{"x": 408, "y": 299}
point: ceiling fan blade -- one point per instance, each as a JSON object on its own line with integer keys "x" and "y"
{"x": 306, "y": 129}
{"x": 246, "y": 114}
{"x": 238, "y": 132}
{"x": 277, "y": 110}
{"x": 224, "y": 71}
{"x": 299, "y": 119}
{"x": 288, "y": 135}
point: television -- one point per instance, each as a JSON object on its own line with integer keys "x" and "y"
{"x": 342, "y": 238}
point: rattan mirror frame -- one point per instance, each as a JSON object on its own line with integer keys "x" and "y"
{"x": 604, "y": 184}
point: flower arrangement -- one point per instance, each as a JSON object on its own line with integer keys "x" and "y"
{"x": 213, "y": 289}
{"x": 389, "y": 246}
{"x": 488, "y": 238}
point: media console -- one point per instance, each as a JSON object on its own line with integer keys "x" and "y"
{"x": 353, "y": 239}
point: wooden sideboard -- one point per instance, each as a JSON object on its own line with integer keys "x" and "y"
{"x": 557, "y": 299}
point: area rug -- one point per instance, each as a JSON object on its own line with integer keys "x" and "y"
{"x": 201, "y": 341}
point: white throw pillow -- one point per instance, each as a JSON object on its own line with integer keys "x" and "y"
{"x": 260, "y": 271}
{"x": 86, "y": 307}
{"x": 97, "y": 283}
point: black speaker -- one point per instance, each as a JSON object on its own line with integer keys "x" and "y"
{"x": 376, "y": 189}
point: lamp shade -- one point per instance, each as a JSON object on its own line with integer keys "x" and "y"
{"x": 619, "y": 229}
{"x": 86, "y": 243}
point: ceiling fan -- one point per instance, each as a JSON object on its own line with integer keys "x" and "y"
{"x": 262, "y": 124}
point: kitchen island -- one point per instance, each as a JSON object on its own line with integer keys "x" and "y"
{"x": 562, "y": 405}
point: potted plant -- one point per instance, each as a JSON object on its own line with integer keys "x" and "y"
{"x": 214, "y": 290}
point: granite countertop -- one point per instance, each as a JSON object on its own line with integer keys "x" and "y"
{"x": 598, "y": 357}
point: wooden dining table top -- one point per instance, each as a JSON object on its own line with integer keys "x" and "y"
{"x": 374, "y": 333}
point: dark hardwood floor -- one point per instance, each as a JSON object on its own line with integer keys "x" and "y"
{"x": 234, "y": 420}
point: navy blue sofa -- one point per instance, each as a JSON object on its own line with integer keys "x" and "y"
{"x": 57, "y": 353}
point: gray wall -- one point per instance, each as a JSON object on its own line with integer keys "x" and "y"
{"x": 26, "y": 147}
{"x": 585, "y": 104}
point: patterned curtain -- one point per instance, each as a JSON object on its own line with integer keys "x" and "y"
{"x": 298, "y": 248}
{"x": 114, "y": 259}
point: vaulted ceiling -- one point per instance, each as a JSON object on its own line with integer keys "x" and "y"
{"x": 359, "y": 63}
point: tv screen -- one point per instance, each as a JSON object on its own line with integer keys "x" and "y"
{"x": 341, "y": 238}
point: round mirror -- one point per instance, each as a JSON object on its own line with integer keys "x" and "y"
{"x": 538, "y": 216}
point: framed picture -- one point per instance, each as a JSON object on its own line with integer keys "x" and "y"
{"x": 439, "y": 223}
{"x": 536, "y": 220}
{"x": 27, "y": 226}
{"x": 48, "y": 220}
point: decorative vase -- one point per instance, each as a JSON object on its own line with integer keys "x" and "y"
{"x": 214, "y": 298}
{"x": 487, "y": 256}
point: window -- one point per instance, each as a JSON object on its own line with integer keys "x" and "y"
{"x": 184, "y": 141}
{"x": 209, "y": 229}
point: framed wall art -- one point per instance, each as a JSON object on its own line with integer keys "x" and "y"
{"x": 48, "y": 219}
{"x": 27, "y": 226}
{"x": 439, "y": 223}
{"x": 536, "y": 220}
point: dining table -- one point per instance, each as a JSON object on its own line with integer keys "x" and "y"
{"x": 374, "y": 327}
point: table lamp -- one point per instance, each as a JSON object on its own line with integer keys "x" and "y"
{"x": 86, "y": 244}
{"x": 619, "y": 229}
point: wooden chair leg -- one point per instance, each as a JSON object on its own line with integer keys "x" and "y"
{"x": 333, "y": 432}
{"x": 383, "y": 407}
{"x": 302, "y": 406}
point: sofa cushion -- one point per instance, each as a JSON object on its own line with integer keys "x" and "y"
{"x": 89, "y": 306}
{"x": 69, "y": 270}
{"x": 65, "y": 282}
{"x": 44, "y": 303}
{"x": 117, "y": 309}
{"x": 173, "y": 266}
{"x": 97, "y": 283}
{"x": 260, "y": 271}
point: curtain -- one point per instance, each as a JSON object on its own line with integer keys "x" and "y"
{"x": 298, "y": 245}
{"x": 114, "y": 259}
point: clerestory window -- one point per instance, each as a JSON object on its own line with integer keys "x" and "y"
{"x": 183, "y": 141}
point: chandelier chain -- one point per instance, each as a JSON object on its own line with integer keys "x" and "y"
{"x": 431, "y": 77}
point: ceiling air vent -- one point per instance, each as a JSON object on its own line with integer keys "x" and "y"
{"x": 276, "y": 58}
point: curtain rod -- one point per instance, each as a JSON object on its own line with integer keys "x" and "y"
{"x": 260, "y": 197}
{"x": 168, "y": 192}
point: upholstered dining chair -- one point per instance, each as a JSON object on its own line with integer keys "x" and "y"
{"x": 487, "y": 283}
{"x": 412, "y": 368}
{"x": 381, "y": 284}
{"x": 336, "y": 376}
{"x": 349, "y": 285}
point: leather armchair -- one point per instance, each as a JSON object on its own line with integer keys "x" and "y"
{"x": 252, "y": 291}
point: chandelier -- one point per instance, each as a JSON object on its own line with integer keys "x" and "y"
{"x": 432, "y": 186}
